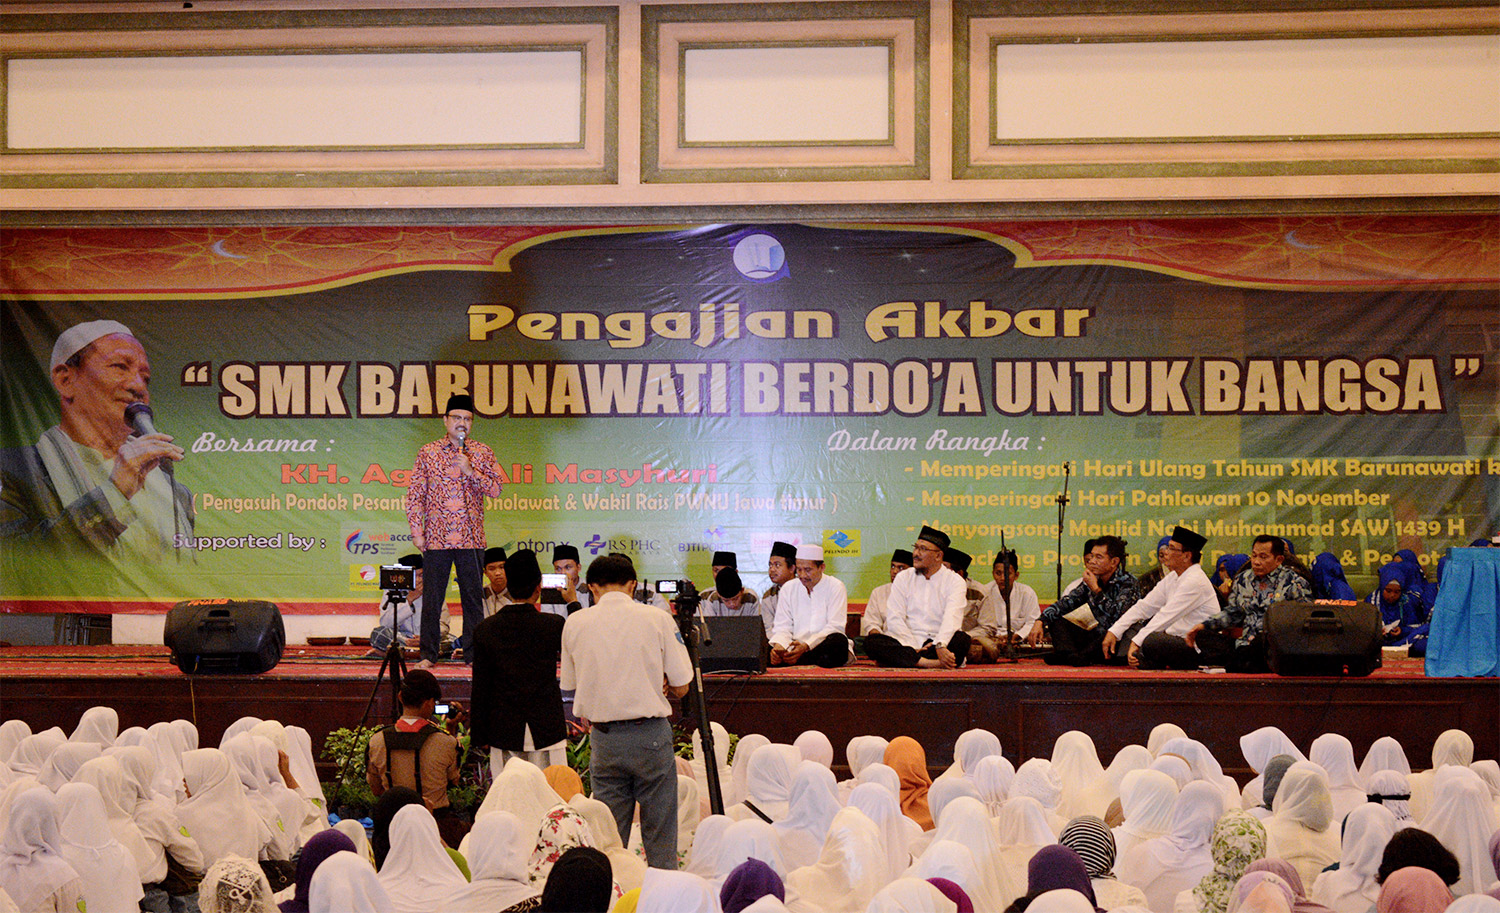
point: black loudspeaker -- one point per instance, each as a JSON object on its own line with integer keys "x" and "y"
{"x": 225, "y": 635}
{"x": 735, "y": 644}
{"x": 1306, "y": 638}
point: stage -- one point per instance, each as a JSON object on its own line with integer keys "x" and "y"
{"x": 1027, "y": 705}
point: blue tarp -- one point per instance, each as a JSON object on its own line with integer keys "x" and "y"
{"x": 1465, "y": 636}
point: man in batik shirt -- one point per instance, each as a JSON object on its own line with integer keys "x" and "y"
{"x": 445, "y": 508}
{"x": 1268, "y": 580}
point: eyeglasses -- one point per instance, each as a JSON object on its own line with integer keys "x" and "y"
{"x": 1172, "y": 547}
{"x": 924, "y": 547}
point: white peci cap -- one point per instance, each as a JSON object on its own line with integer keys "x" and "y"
{"x": 75, "y": 338}
{"x": 809, "y": 553}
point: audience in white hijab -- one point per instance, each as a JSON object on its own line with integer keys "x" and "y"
{"x": 127, "y": 800}
{"x": 1300, "y": 828}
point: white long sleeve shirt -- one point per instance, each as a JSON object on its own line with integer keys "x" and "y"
{"x": 1176, "y": 605}
{"x": 923, "y": 610}
{"x": 1025, "y": 609}
{"x": 874, "y": 617}
{"x": 810, "y": 617}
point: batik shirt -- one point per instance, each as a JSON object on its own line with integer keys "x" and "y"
{"x": 1251, "y": 596}
{"x": 445, "y": 506}
{"x": 1115, "y": 596}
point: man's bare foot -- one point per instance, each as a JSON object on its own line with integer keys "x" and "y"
{"x": 925, "y": 663}
{"x": 424, "y": 664}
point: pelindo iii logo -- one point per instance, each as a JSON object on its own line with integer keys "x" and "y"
{"x": 760, "y": 258}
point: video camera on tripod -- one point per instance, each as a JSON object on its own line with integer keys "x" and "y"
{"x": 397, "y": 580}
{"x": 694, "y": 631}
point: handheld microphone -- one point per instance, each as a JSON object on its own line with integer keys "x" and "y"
{"x": 138, "y": 416}
{"x": 463, "y": 439}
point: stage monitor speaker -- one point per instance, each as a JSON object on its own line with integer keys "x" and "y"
{"x": 1306, "y": 638}
{"x": 225, "y": 635}
{"x": 735, "y": 644}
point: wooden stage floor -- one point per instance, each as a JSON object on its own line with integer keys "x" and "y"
{"x": 1027, "y": 705}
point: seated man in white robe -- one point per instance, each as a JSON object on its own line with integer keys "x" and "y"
{"x": 1184, "y": 598}
{"x": 810, "y": 616}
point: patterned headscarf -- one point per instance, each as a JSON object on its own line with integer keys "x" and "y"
{"x": 1239, "y": 839}
{"x": 1094, "y": 843}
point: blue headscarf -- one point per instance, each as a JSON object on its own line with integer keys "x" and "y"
{"x": 1229, "y": 567}
{"x": 1407, "y": 609}
{"x": 1328, "y": 578}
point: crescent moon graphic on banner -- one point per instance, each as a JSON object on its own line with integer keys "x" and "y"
{"x": 218, "y": 248}
{"x": 1292, "y": 239}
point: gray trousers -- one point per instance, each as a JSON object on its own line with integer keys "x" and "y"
{"x": 632, "y": 762}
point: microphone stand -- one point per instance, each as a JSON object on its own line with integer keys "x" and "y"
{"x": 1062, "y": 513}
{"x": 1005, "y": 591}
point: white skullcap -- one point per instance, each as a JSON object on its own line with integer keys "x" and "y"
{"x": 809, "y": 553}
{"x": 74, "y": 338}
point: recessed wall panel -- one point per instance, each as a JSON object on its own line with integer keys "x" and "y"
{"x": 1258, "y": 88}
{"x": 787, "y": 95}
{"x": 493, "y": 99}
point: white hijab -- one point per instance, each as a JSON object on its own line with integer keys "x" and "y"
{"x": 970, "y": 746}
{"x": 967, "y": 822}
{"x": 708, "y": 844}
{"x": 815, "y": 746}
{"x": 419, "y": 875}
{"x": 910, "y": 895}
{"x": 345, "y": 884}
{"x": 665, "y": 891}
{"x": 739, "y": 768}
{"x": 1454, "y": 748}
{"x": 111, "y": 883}
{"x": 99, "y": 725}
{"x": 31, "y": 752}
{"x": 522, "y": 790}
{"x": 497, "y": 859}
{"x": 1259, "y": 747}
{"x": 861, "y": 752}
{"x": 1023, "y": 823}
{"x": 1351, "y": 888}
{"x": 1039, "y": 780}
{"x": 11, "y": 734}
{"x": 64, "y": 762}
{"x": 244, "y": 755}
{"x": 355, "y": 831}
{"x": 290, "y": 806}
{"x": 1146, "y": 800}
{"x": 1107, "y": 788}
{"x": 1160, "y": 735}
{"x": 118, "y": 801}
{"x": 217, "y": 814}
{"x": 1174, "y": 767}
{"x": 882, "y": 808}
{"x": 952, "y": 860}
{"x": 845, "y": 876}
{"x": 883, "y": 775}
{"x": 943, "y": 792}
{"x": 1205, "y": 767}
{"x": 1299, "y": 828}
{"x": 1176, "y": 861}
{"x": 171, "y": 744}
{"x": 748, "y": 839}
{"x": 243, "y": 724}
{"x": 1463, "y": 818}
{"x": 1385, "y": 754}
{"x": 305, "y": 771}
{"x": 992, "y": 779}
{"x": 1076, "y": 762}
{"x": 813, "y": 801}
{"x": 626, "y": 867}
{"x": 769, "y": 780}
{"x": 1393, "y": 783}
{"x": 31, "y": 867}
{"x": 1335, "y": 755}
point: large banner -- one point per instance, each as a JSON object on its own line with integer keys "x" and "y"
{"x": 670, "y": 392}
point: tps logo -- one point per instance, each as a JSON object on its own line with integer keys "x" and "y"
{"x": 760, "y": 258}
{"x": 359, "y": 544}
{"x": 595, "y": 544}
{"x": 845, "y": 542}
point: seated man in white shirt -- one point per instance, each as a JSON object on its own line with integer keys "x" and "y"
{"x": 873, "y": 619}
{"x": 925, "y": 612}
{"x": 1184, "y": 598}
{"x": 810, "y": 616}
{"x": 989, "y": 633}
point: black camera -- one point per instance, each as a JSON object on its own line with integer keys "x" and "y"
{"x": 398, "y": 578}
